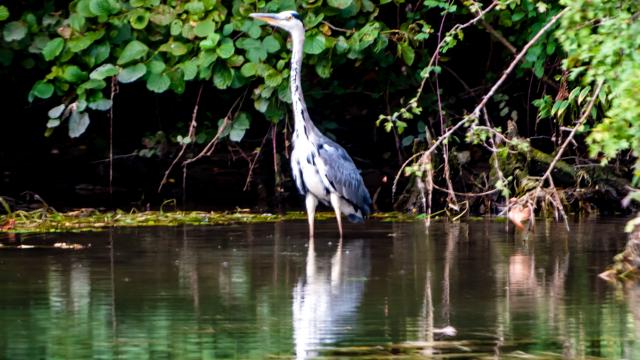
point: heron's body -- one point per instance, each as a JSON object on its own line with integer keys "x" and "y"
{"x": 322, "y": 169}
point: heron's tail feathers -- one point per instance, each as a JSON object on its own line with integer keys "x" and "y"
{"x": 355, "y": 218}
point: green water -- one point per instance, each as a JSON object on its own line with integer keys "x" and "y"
{"x": 260, "y": 291}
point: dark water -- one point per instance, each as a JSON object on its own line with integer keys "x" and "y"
{"x": 259, "y": 291}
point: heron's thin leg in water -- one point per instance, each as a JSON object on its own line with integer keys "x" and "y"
{"x": 335, "y": 202}
{"x": 311, "y": 203}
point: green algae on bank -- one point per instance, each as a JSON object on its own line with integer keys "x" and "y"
{"x": 41, "y": 220}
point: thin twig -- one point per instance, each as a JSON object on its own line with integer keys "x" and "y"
{"x": 445, "y": 148}
{"x": 337, "y": 28}
{"x": 191, "y": 136}
{"x": 476, "y": 112}
{"x": 255, "y": 160}
{"x": 114, "y": 90}
{"x": 208, "y": 150}
{"x": 547, "y": 174}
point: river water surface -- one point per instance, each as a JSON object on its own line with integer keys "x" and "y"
{"x": 264, "y": 291}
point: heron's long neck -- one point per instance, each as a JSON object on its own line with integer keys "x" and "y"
{"x": 300, "y": 113}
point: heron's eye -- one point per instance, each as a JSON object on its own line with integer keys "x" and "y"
{"x": 289, "y": 17}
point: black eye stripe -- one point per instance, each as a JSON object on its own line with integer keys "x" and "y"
{"x": 296, "y": 15}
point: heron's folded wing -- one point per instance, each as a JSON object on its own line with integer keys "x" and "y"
{"x": 343, "y": 176}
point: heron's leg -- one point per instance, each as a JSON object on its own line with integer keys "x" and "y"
{"x": 335, "y": 202}
{"x": 311, "y": 203}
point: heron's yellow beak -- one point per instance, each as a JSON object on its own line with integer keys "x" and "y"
{"x": 268, "y": 18}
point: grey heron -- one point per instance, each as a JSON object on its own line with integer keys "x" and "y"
{"x": 322, "y": 169}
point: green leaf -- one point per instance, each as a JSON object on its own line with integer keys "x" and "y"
{"x": 133, "y": 51}
{"x": 204, "y": 28}
{"x": 176, "y": 27}
{"x": 104, "y": 71}
{"x": 249, "y": 69}
{"x": 236, "y": 134}
{"x": 81, "y": 42}
{"x": 156, "y": 66}
{"x": 210, "y": 42}
{"x": 314, "y": 44}
{"x": 195, "y": 7}
{"x": 139, "y": 19}
{"x": 56, "y": 111}
{"x": 163, "y": 15}
{"x": 92, "y": 84}
{"x": 408, "y": 54}
{"x": 271, "y": 44}
{"x": 136, "y": 3}
{"x": 323, "y": 68}
{"x": 242, "y": 121}
{"x": 158, "y": 83}
{"x": 340, "y": 4}
{"x": 190, "y": 69}
{"x": 176, "y": 48}
{"x": 273, "y": 78}
{"x": 227, "y": 29}
{"x": 101, "y": 104}
{"x": 222, "y": 76}
{"x": 78, "y": 123}
{"x": 226, "y": 48}
{"x": 4, "y": 13}
{"x": 53, "y": 48}
{"x": 101, "y": 7}
{"x": 14, "y": 31}
{"x": 42, "y": 90}
{"x": 77, "y": 22}
{"x": 73, "y": 74}
{"x": 53, "y": 123}
{"x": 100, "y": 52}
{"x": 132, "y": 73}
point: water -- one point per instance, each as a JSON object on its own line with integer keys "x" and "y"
{"x": 259, "y": 291}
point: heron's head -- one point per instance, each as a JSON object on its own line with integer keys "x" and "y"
{"x": 287, "y": 20}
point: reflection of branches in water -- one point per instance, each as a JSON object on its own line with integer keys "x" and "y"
{"x": 325, "y": 300}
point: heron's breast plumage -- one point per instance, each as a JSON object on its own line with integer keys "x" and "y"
{"x": 307, "y": 168}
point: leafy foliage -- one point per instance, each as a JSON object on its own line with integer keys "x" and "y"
{"x": 601, "y": 40}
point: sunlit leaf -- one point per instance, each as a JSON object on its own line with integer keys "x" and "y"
{"x": 339, "y": 4}
{"x": 53, "y": 48}
{"x": 158, "y": 83}
{"x": 56, "y": 111}
{"x": 78, "y": 123}
{"x": 52, "y": 123}
{"x": 204, "y": 28}
{"x": 132, "y": 73}
{"x": 134, "y": 50}
{"x": 249, "y": 69}
{"x": 14, "y": 31}
{"x": 314, "y": 44}
{"x": 226, "y": 48}
{"x": 104, "y": 71}
{"x": 101, "y": 104}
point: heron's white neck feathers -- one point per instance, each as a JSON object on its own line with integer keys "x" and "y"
{"x": 300, "y": 113}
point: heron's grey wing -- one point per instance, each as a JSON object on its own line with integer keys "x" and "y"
{"x": 343, "y": 175}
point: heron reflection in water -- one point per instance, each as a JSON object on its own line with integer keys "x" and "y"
{"x": 327, "y": 297}
{"x": 322, "y": 169}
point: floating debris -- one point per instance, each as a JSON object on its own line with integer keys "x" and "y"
{"x": 63, "y": 245}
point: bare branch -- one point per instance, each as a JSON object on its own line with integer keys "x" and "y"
{"x": 191, "y": 136}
